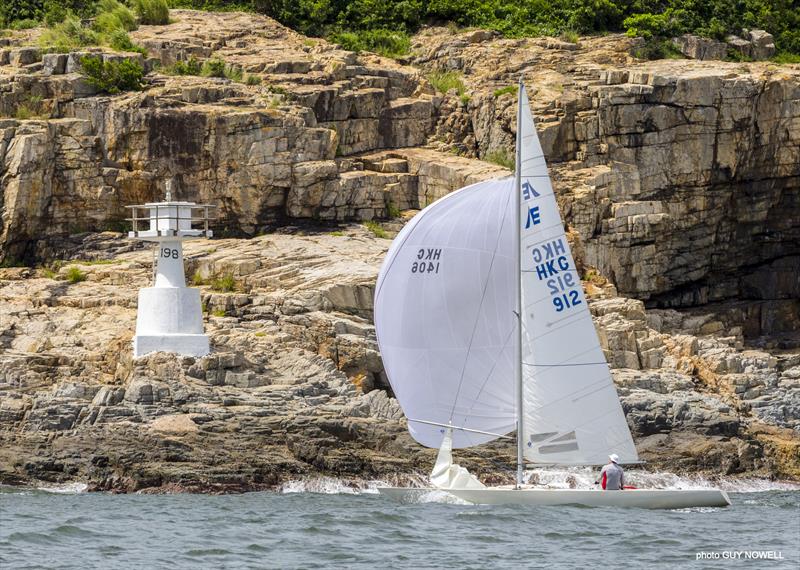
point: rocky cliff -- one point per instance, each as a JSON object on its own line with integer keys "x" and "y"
{"x": 679, "y": 180}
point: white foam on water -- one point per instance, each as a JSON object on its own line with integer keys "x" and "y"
{"x": 331, "y": 486}
{"x": 66, "y": 489}
{"x": 550, "y": 478}
{"x": 585, "y": 477}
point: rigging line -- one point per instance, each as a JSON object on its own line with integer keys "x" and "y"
{"x": 573, "y": 357}
{"x": 558, "y": 328}
{"x": 480, "y": 305}
{"x": 557, "y": 226}
{"x": 595, "y": 385}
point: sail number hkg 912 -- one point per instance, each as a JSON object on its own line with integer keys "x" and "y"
{"x": 552, "y": 267}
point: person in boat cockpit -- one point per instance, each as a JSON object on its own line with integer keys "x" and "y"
{"x": 612, "y": 477}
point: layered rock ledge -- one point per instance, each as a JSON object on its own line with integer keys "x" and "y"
{"x": 679, "y": 182}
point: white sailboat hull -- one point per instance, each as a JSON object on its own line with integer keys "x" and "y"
{"x": 639, "y": 498}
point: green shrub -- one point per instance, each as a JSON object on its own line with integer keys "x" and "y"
{"x": 253, "y": 79}
{"x": 111, "y": 15}
{"x": 218, "y": 313}
{"x": 786, "y": 57}
{"x": 657, "y": 48}
{"x": 152, "y": 12}
{"x": 388, "y": 43}
{"x": 197, "y": 280}
{"x": 189, "y": 67}
{"x": 213, "y": 68}
{"x": 510, "y": 89}
{"x": 224, "y": 283}
{"x": 444, "y": 81}
{"x": 392, "y": 210}
{"x": 75, "y": 275}
{"x": 24, "y": 24}
{"x": 54, "y": 13}
{"x": 121, "y": 41}
{"x": 570, "y": 36}
{"x": 376, "y": 229}
{"x": 500, "y": 157}
{"x": 67, "y": 35}
{"x": 29, "y": 108}
{"x": 647, "y": 26}
{"x": 112, "y": 76}
{"x": 216, "y": 67}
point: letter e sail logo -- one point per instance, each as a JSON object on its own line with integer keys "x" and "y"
{"x": 528, "y": 191}
{"x": 533, "y": 217}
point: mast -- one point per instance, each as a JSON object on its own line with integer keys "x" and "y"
{"x": 518, "y": 231}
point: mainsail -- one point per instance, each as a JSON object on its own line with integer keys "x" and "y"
{"x": 446, "y": 316}
{"x": 571, "y": 410}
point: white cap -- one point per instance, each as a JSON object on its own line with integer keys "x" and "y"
{"x": 614, "y": 457}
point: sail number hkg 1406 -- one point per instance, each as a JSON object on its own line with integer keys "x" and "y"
{"x": 427, "y": 262}
{"x": 552, "y": 266}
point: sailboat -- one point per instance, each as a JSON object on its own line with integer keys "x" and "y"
{"x": 484, "y": 330}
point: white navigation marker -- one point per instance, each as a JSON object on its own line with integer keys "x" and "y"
{"x": 170, "y": 316}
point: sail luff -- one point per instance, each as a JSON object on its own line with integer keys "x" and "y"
{"x": 570, "y": 407}
{"x": 517, "y": 257}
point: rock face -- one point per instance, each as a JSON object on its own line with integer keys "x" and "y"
{"x": 751, "y": 44}
{"x": 295, "y": 383}
{"x": 660, "y": 167}
{"x": 678, "y": 180}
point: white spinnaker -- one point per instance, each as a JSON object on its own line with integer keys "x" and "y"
{"x": 571, "y": 410}
{"x": 444, "y": 315}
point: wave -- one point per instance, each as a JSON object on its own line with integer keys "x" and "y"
{"x": 66, "y": 489}
{"x": 550, "y": 478}
{"x": 584, "y": 478}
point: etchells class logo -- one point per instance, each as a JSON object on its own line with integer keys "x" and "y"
{"x": 528, "y": 191}
{"x": 534, "y": 217}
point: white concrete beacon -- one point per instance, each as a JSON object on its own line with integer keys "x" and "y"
{"x": 169, "y": 316}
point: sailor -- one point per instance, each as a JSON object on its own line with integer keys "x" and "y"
{"x": 612, "y": 478}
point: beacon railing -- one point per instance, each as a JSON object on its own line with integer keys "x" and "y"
{"x": 171, "y": 215}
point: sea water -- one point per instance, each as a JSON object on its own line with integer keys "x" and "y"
{"x": 323, "y": 523}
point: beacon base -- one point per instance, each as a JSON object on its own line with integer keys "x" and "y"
{"x": 170, "y": 319}
{"x": 186, "y": 344}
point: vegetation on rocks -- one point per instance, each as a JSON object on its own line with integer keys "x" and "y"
{"x": 500, "y": 157}
{"x": 383, "y": 25}
{"x": 110, "y": 26}
{"x": 376, "y": 229}
{"x": 75, "y": 275}
{"x": 110, "y": 76}
{"x": 152, "y": 12}
{"x": 224, "y": 283}
{"x": 444, "y": 81}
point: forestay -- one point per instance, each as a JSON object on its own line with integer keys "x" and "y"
{"x": 444, "y": 315}
{"x": 571, "y": 411}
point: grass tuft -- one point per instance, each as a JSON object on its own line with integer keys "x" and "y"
{"x": 224, "y": 283}
{"x": 152, "y": 12}
{"x": 376, "y": 229}
{"x": 444, "y": 81}
{"x": 500, "y": 157}
{"x": 507, "y": 90}
{"x": 75, "y": 275}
